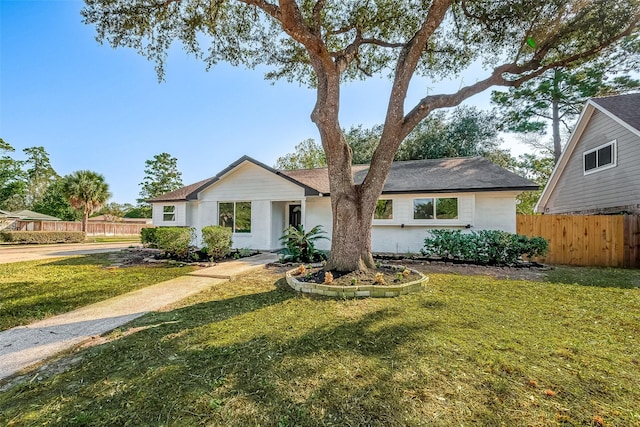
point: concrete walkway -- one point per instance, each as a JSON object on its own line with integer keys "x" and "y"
{"x": 23, "y": 346}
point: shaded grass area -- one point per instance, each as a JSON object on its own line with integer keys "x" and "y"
{"x": 596, "y": 276}
{"x": 37, "y": 289}
{"x": 467, "y": 350}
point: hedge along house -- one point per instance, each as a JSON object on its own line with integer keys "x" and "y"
{"x": 259, "y": 202}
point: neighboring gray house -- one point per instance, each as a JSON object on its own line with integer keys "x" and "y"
{"x": 599, "y": 170}
{"x": 258, "y": 202}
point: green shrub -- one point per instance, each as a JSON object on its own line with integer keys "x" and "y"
{"x": 43, "y": 236}
{"x": 218, "y": 240}
{"x": 174, "y": 241}
{"x": 483, "y": 247}
{"x": 300, "y": 246}
{"x": 148, "y": 237}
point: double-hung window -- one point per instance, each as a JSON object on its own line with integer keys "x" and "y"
{"x": 235, "y": 215}
{"x": 169, "y": 213}
{"x": 599, "y": 158}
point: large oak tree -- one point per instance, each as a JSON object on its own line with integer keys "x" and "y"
{"x": 325, "y": 43}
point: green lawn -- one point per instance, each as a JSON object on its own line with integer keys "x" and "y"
{"x": 37, "y": 289}
{"x": 468, "y": 350}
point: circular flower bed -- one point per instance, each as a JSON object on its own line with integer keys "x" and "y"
{"x": 388, "y": 282}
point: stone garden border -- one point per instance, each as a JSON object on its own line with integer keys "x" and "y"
{"x": 375, "y": 291}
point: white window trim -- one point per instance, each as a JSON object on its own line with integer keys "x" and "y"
{"x": 614, "y": 158}
{"x": 435, "y": 221}
{"x": 173, "y": 212}
{"x": 233, "y": 230}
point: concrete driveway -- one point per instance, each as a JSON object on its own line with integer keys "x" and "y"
{"x": 15, "y": 253}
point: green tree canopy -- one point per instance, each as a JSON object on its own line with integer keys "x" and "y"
{"x": 307, "y": 155}
{"x": 55, "y": 203}
{"x": 466, "y": 131}
{"x": 12, "y": 179}
{"x": 161, "y": 175}
{"x": 86, "y": 191}
{"x": 557, "y": 96}
{"x": 40, "y": 174}
{"x": 537, "y": 168}
{"x": 325, "y": 43}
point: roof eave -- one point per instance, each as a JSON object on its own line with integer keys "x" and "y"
{"x": 464, "y": 190}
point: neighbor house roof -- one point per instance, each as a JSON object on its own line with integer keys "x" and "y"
{"x": 464, "y": 174}
{"x": 31, "y": 215}
{"x": 623, "y": 109}
{"x": 5, "y": 214}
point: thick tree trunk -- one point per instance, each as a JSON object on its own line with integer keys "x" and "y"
{"x": 351, "y": 234}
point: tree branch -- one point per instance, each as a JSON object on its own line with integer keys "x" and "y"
{"x": 497, "y": 78}
{"x": 405, "y": 68}
{"x": 317, "y": 16}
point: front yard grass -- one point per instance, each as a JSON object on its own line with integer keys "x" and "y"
{"x": 469, "y": 350}
{"x": 37, "y": 289}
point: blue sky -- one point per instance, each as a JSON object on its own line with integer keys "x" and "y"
{"x": 103, "y": 109}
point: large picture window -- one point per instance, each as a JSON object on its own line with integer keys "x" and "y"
{"x": 599, "y": 158}
{"x": 169, "y": 213}
{"x": 384, "y": 209}
{"x": 235, "y": 215}
{"x": 435, "y": 208}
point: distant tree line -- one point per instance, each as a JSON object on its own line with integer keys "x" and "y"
{"x": 34, "y": 184}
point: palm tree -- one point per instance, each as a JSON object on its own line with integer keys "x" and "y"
{"x": 87, "y": 191}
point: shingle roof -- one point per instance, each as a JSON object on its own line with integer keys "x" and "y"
{"x": 625, "y": 107}
{"x": 462, "y": 174}
{"x": 31, "y": 215}
{"x": 184, "y": 192}
{"x": 318, "y": 179}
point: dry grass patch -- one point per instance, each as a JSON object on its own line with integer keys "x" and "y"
{"x": 468, "y": 350}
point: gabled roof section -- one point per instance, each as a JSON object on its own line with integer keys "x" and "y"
{"x": 190, "y": 192}
{"x": 623, "y": 109}
{"x": 462, "y": 174}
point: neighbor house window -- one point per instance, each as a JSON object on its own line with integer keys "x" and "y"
{"x": 384, "y": 209}
{"x": 435, "y": 208}
{"x": 602, "y": 157}
{"x": 169, "y": 213}
{"x": 235, "y": 215}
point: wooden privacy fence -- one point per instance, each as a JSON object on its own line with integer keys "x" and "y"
{"x": 93, "y": 228}
{"x": 588, "y": 240}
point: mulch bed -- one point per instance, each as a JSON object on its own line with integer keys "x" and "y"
{"x": 383, "y": 275}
